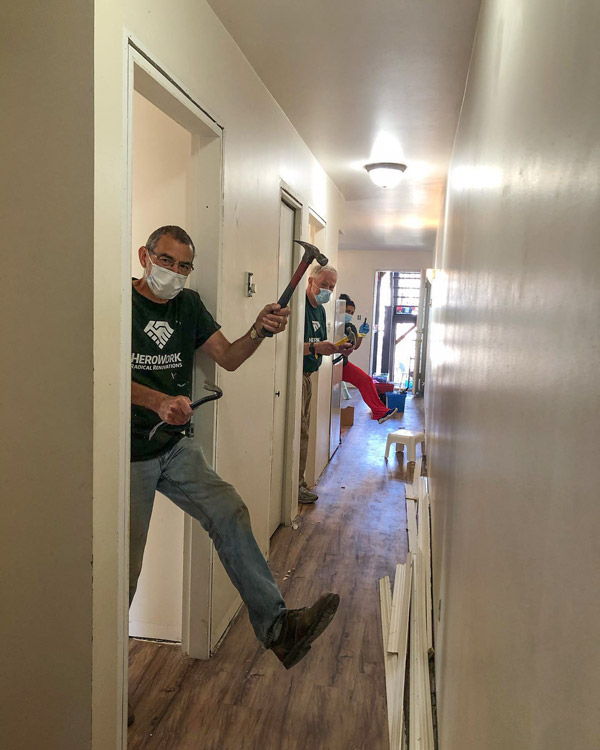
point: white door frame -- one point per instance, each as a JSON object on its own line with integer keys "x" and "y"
{"x": 289, "y": 500}
{"x": 150, "y": 79}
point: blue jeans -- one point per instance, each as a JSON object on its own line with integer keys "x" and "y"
{"x": 182, "y": 475}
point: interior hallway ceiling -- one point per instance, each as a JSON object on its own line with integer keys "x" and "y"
{"x": 367, "y": 81}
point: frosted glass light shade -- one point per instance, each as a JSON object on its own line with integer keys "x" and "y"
{"x": 385, "y": 174}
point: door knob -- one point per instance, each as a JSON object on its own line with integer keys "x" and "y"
{"x": 278, "y": 393}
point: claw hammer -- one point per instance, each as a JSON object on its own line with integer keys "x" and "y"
{"x": 311, "y": 252}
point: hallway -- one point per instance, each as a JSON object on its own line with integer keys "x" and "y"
{"x": 335, "y": 698}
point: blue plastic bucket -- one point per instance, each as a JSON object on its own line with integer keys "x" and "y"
{"x": 396, "y": 400}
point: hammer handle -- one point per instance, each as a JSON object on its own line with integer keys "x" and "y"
{"x": 288, "y": 291}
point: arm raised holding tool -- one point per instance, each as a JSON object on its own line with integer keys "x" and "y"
{"x": 272, "y": 318}
{"x": 169, "y": 324}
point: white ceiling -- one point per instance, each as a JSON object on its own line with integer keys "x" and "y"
{"x": 367, "y": 81}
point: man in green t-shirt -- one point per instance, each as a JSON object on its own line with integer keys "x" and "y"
{"x": 168, "y": 324}
{"x": 320, "y": 285}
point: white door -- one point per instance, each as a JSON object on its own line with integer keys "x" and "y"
{"x": 189, "y": 598}
{"x": 287, "y": 228}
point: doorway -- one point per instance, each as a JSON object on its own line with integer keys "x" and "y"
{"x": 397, "y": 295}
{"x": 177, "y": 179}
{"x": 160, "y": 195}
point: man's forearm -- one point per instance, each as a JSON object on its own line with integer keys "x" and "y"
{"x": 231, "y": 355}
{"x": 143, "y": 396}
{"x": 239, "y": 351}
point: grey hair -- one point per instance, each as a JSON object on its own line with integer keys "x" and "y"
{"x": 317, "y": 271}
{"x": 177, "y": 233}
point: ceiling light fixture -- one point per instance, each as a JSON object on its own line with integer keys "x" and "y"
{"x": 385, "y": 174}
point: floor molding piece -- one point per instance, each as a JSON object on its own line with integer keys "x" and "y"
{"x": 424, "y": 537}
{"x": 421, "y": 486}
{"x": 417, "y": 470}
{"x": 399, "y": 586}
{"x": 420, "y": 733}
{"x": 411, "y": 522}
{"x": 398, "y": 642}
{"x": 390, "y": 660}
{"x": 411, "y": 491}
{"x": 400, "y": 607}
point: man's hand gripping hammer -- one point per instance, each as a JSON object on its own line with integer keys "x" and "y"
{"x": 311, "y": 252}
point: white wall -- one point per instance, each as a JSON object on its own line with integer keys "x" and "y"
{"x": 160, "y": 195}
{"x": 357, "y": 270}
{"x": 46, "y": 381}
{"x": 513, "y": 397}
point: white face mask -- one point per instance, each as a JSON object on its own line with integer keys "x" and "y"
{"x": 163, "y": 283}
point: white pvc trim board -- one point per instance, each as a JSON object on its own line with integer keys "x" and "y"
{"x": 424, "y": 537}
{"x": 398, "y": 643}
{"x": 390, "y": 660}
{"x": 412, "y": 489}
{"x": 420, "y": 735}
{"x": 411, "y": 522}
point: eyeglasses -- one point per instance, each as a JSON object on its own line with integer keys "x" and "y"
{"x": 166, "y": 261}
{"x": 324, "y": 284}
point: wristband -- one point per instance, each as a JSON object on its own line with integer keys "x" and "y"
{"x": 311, "y": 349}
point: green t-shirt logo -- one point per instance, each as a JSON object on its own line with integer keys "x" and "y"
{"x": 159, "y": 331}
{"x": 176, "y": 328}
{"x": 315, "y": 329}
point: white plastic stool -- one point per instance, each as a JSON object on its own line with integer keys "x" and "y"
{"x": 407, "y": 438}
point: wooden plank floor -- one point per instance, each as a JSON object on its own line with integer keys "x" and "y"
{"x": 334, "y": 699}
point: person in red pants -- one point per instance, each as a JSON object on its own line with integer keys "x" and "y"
{"x": 354, "y": 375}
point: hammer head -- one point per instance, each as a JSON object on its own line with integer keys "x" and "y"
{"x": 312, "y": 252}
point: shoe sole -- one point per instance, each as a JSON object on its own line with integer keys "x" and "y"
{"x": 308, "y": 502}
{"x": 388, "y": 416}
{"x": 303, "y": 647}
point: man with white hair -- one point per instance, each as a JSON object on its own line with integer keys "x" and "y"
{"x": 321, "y": 283}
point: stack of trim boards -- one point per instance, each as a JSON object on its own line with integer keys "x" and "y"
{"x": 406, "y": 617}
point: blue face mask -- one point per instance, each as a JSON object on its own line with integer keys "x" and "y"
{"x": 323, "y": 296}
{"x": 348, "y": 318}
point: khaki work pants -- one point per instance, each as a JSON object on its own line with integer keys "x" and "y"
{"x": 304, "y": 424}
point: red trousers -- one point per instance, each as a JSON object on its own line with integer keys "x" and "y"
{"x": 353, "y": 374}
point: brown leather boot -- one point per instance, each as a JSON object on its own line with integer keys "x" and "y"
{"x": 300, "y": 627}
